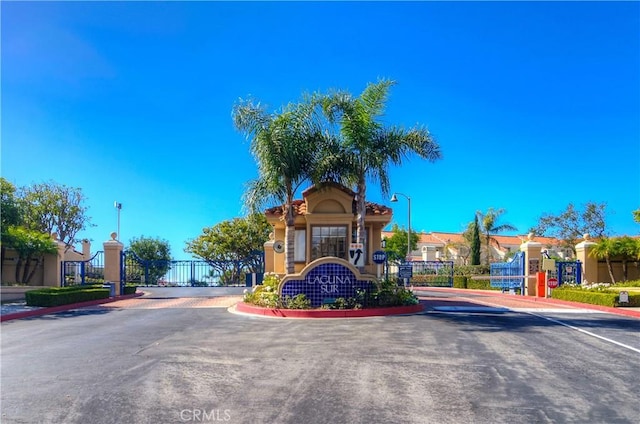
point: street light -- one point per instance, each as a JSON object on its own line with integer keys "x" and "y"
{"x": 395, "y": 199}
{"x": 119, "y": 207}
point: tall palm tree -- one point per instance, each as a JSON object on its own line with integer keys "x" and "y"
{"x": 605, "y": 249}
{"x": 489, "y": 226}
{"x": 367, "y": 147}
{"x": 285, "y": 145}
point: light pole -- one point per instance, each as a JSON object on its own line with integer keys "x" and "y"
{"x": 395, "y": 199}
{"x": 119, "y": 207}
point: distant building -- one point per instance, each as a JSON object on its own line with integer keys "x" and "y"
{"x": 453, "y": 247}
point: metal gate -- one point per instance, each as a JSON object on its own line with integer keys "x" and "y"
{"x": 508, "y": 275}
{"x": 91, "y": 271}
{"x": 188, "y": 273}
{"x": 567, "y": 272}
{"x": 432, "y": 273}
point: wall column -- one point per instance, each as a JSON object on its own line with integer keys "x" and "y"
{"x": 589, "y": 263}
{"x": 112, "y": 257}
{"x": 52, "y": 264}
{"x": 532, "y": 263}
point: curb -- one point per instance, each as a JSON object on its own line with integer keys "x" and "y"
{"x": 62, "y": 308}
{"x": 327, "y": 313}
{"x": 608, "y": 309}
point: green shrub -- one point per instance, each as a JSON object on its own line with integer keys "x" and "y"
{"x": 460, "y": 282}
{"x": 480, "y": 285}
{"x": 430, "y": 280}
{"x": 299, "y": 301}
{"x": 597, "y": 296}
{"x": 57, "y": 296}
{"x": 634, "y": 283}
{"x": 469, "y": 270}
{"x": 265, "y": 294}
{"x": 130, "y": 289}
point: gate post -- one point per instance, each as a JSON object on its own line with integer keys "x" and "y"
{"x": 112, "y": 257}
{"x": 532, "y": 258}
{"x": 589, "y": 263}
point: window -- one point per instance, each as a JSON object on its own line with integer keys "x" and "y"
{"x": 328, "y": 241}
{"x": 300, "y": 247}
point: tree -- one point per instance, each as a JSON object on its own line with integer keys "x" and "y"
{"x": 397, "y": 244}
{"x": 285, "y": 146}
{"x": 627, "y": 249}
{"x": 30, "y": 246}
{"x": 9, "y": 205}
{"x": 489, "y": 225}
{"x": 475, "y": 242}
{"x": 156, "y": 255}
{"x": 234, "y": 240}
{"x": 50, "y": 207}
{"x": 605, "y": 249}
{"x": 636, "y": 215}
{"x": 570, "y": 225}
{"x": 367, "y": 146}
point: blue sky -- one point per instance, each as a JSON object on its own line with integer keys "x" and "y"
{"x": 534, "y": 104}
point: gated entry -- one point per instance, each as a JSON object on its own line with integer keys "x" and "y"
{"x": 567, "y": 272}
{"x": 508, "y": 275}
{"x": 83, "y": 272}
{"x": 188, "y": 273}
{"x": 430, "y": 273}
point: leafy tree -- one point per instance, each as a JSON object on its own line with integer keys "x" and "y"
{"x": 605, "y": 249}
{"x": 367, "y": 146}
{"x": 285, "y": 146}
{"x": 156, "y": 254}
{"x": 627, "y": 248}
{"x": 570, "y": 225}
{"x": 636, "y": 215}
{"x": 9, "y": 205}
{"x": 397, "y": 244}
{"x": 234, "y": 240}
{"x": 488, "y": 223}
{"x": 475, "y": 242}
{"x": 49, "y": 207}
{"x": 30, "y": 246}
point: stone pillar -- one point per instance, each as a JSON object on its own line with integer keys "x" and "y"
{"x": 589, "y": 263}
{"x": 86, "y": 250}
{"x": 532, "y": 263}
{"x": 112, "y": 258}
{"x": 52, "y": 264}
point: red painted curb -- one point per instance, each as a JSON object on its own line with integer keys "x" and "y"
{"x": 61, "y": 308}
{"x": 611, "y": 310}
{"x": 327, "y": 313}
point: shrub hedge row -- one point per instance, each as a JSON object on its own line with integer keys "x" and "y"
{"x": 602, "y": 297}
{"x": 56, "y": 296}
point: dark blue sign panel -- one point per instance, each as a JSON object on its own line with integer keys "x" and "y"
{"x": 379, "y": 256}
{"x": 326, "y": 281}
{"x": 405, "y": 271}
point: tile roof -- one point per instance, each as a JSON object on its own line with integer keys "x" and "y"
{"x": 300, "y": 208}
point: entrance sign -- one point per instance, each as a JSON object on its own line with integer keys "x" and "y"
{"x": 326, "y": 280}
{"x": 356, "y": 254}
{"x": 552, "y": 283}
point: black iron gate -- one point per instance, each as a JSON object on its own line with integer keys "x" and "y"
{"x": 189, "y": 273}
{"x": 91, "y": 271}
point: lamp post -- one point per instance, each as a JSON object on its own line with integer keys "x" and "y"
{"x": 119, "y": 207}
{"x": 394, "y": 198}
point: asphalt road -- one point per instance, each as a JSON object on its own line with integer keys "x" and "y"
{"x": 106, "y": 365}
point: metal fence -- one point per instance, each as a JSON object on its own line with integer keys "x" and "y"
{"x": 90, "y": 271}
{"x": 508, "y": 275}
{"x": 427, "y": 273}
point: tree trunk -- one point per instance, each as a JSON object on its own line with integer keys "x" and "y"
{"x": 610, "y": 269}
{"x": 624, "y": 269}
{"x": 18, "y": 268}
{"x": 361, "y": 212}
{"x": 289, "y": 236}
{"x": 33, "y": 270}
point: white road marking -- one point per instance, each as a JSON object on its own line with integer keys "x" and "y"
{"x": 586, "y": 332}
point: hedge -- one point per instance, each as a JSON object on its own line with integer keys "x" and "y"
{"x": 480, "y": 285}
{"x": 602, "y": 298}
{"x": 431, "y": 280}
{"x": 130, "y": 289}
{"x": 57, "y": 296}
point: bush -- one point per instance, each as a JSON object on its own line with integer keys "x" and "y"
{"x": 430, "y": 280}
{"x": 460, "y": 282}
{"x": 469, "y": 270}
{"x": 130, "y": 289}
{"x": 634, "y": 283}
{"x": 597, "y": 296}
{"x": 480, "y": 285}
{"x": 299, "y": 301}
{"x": 57, "y": 296}
{"x": 266, "y": 294}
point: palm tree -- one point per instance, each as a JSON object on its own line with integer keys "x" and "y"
{"x": 605, "y": 249}
{"x": 285, "y": 146}
{"x": 488, "y": 223}
{"x": 627, "y": 248}
{"x": 367, "y": 147}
